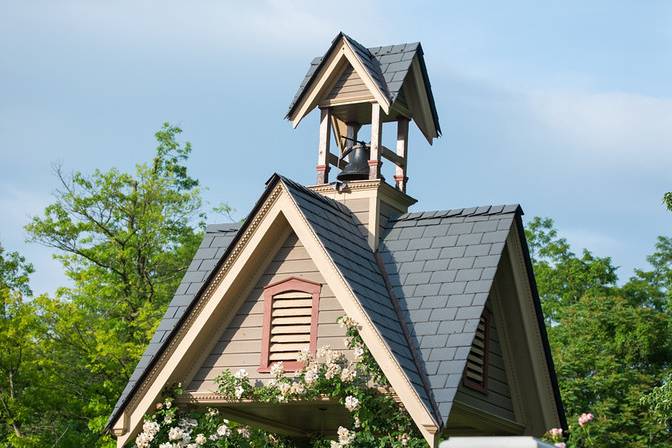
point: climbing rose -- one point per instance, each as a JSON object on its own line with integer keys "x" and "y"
{"x": 345, "y": 437}
{"x": 244, "y": 432}
{"x": 555, "y": 433}
{"x": 223, "y": 430}
{"x": 200, "y": 439}
{"x": 278, "y": 369}
{"x": 585, "y": 418}
{"x": 348, "y": 375}
{"x": 239, "y": 392}
{"x": 560, "y": 445}
{"x": 351, "y": 403}
{"x": 175, "y": 433}
{"x": 241, "y": 374}
{"x": 358, "y": 352}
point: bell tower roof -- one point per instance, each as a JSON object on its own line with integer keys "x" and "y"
{"x": 349, "y": 77}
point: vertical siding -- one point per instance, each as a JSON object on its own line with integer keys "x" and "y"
{"x": 497, "y": 399}
{"x": 239, "y": 346}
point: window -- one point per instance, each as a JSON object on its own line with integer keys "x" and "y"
{"x": 290, "y": 322}
{"x": 476, "y": 372}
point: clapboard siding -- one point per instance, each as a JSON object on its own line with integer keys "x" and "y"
{"x": 240, "y": 344}
{"x": 497, "y": 398}
{"x": 349, "y": 86}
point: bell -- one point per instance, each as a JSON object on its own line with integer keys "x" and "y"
{"x": 358, "y": 166}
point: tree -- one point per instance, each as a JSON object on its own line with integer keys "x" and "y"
{"x": 562, "y": 277}
{"x": 611, "y": 345}
{"x": 125, "y": 240}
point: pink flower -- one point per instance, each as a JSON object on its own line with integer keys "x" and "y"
{"x": 585, "y": 418}
{"x": 555, "y": 433}
{"x": 560, "y": 445}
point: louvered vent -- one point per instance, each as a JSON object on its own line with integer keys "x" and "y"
{"x": 290, "y": 322}
{"x": 475, "y": 374}
{"x": 290, "y": 325}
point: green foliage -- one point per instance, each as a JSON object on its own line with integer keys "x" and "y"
{"x": 611, "y": 345}
{"x": 125, "y": 240}
{"x": 376, "y": 419}
{"x": 562, "y": 277}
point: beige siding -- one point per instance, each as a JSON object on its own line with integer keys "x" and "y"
{"x": 497, "y": 399}
{"x": 239, "y": 346}
{"x": 349, "y": 86}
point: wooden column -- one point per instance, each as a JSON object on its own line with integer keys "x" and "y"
{"x": 402, "y": 150}
{"x": 376, "y": 141}
{"x": 325, "y": 142}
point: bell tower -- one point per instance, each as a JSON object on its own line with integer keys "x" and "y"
{"x": 354, "y": 87}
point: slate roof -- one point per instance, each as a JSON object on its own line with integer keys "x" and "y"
{"x": 337, "y": 230}
{"x": 388, "y": 67}
{"x": 213, "y": 246}
{"x": 441, "y": 266}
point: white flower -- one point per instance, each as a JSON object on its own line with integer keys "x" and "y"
{"x": 166, "y": 445}
{"x": 347, "y": 322}
{"x": 200, "y": 439}
{"x": 244, "y": 432}
{"x": 358, "y": 352}
{"x": 345, "y": 436}
{"x": 357, "y": 422}
{"x": 213, "y": 437}
{"x": 335, "y": 444}
{"x": 168, "y": 403}
{"x": 187, "y": 423}
{"x": 143, "y": 440}
{"x": 241, "y": 374}
{"x": 304, "y": 355}
{"x": 168, "y": 419}
{"x": 312, "y": 373}
{"x": 333, "y": 370}
{"x": 297, "y": 388}
{"x": 348, "y": 375}
{"x": 223, "y": 430}
{"x": 239, "y": 392}
{"x": 278, "y": 369}
{"x": 175, "y": 433}
{"x": 404, "y": 439}
{"x": 212, "y": 412}
{"x": 192, "y": 445}
{"x": 151, "y": 428}
{"x": 351, "y": 403}
{"x": 324, "y": 352}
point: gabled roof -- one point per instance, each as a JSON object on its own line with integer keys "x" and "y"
{"x": 442, "y": 265}
{"x": 388, "y": 66}
{"x": 213, "y": 246}
{"x": 337, "y": 230}
{"x": 423, "y": 292}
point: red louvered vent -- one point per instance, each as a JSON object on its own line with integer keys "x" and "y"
{"x": 290, "y": 322}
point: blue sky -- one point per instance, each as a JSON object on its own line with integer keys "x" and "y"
{"x": 564, "y": 107}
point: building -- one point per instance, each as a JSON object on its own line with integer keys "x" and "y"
{"x": 446, "y": 300}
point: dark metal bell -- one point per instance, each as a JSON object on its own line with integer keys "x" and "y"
{"x": 358, "y": 166}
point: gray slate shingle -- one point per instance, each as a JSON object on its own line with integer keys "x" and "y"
{"x": 470, "y": 242}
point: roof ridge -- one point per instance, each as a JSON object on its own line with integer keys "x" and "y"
{"x": 501, "y": 209}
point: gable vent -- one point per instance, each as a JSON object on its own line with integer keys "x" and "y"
{"x": 290, "y": 325}
{"x": 475, "y": 373}
{"x": 291, "y": 310}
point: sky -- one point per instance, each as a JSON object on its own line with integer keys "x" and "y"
{"x": 563, "y": 107}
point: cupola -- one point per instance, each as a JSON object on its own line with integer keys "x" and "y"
{"x": 355, "y": 86}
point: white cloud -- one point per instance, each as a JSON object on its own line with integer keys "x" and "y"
{"x": 257, "y": 26}
{"x": 618, "y": 127}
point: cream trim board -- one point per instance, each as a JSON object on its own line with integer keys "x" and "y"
{"x": 222, "y": 293}
{"x": 531, "y": 324}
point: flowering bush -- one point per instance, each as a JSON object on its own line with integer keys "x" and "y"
{"x": 376, "y": 419}
{"x": 576, "y": 437}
